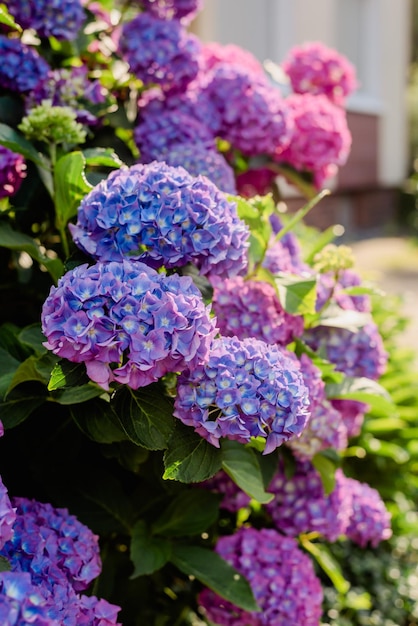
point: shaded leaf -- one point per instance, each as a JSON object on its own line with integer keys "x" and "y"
{"x": 17, "y": 143}
{"x": 326, "y": 468}
{"x": 364, "y": 390}
{"x": 190, "y": 458}
{"x": 211, "y": 570}
{"x": 18, "y": 407}
{"x": 8, "y": 367}
{"x": 33, "y": 337}
{"x": 148, "y": 554}
{"x": 30, "y": 370}
{"x": 241, "y": 464}
{"x": 96, "y": 419}
{"x": 191, "y": 513}
{"x": 67, "y": 374}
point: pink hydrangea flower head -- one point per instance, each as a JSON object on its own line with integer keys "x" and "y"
{"x": 281, "y": 577}
{"x": 162, "y": 215}
{"x": 61, "y": 19}
{"x": 52, "y": 545}
{"x": 321, "y": 138}
{"x": 128, "y": 316}
{"x": 250, "y": 308}
{"x": 213, "y": 54}
{"x": 160, "y": 52}
{"x": 370, "y": 520}
{"x": 255, "y": 182}
{"x": 12, "y": 172}
{"x": 247, "y": 111}
{"x": 300, "y": 504}
{"x": 22, "y": 68}
{"x": 246, "y": 389}
{"x": 184, "y": 10}
{"x": 314, "y": 68}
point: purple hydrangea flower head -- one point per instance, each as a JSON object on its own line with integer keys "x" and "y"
{"x": 329, "y": 289}
{"x": 213, "y": 54}
{"x": 22, "y": 68}
{"x": 160, "y": 128}
{"x": 162, "y": 215}
{"x": 12, "y": 172}
{"x": 61, "y": 19}
{"x": 69, "y": 87}
{"x": 321, "y": 139}
{"x": 281, "y": 577}
{"x": 249, "y": 308}
{"x": 370, "y": 520}
{"x": 183, "y": 10}
{"x": 160, "y": 52}
{"x": 201, "y": 161}
{"x": 300, "y": 504}
{"x": 72, "y": 609}
{"x": 247, "y": 111}
{"x": 358, "y": 353}
{"x": 52, "y": 545}
{"x": 247, "y": 389}
{"x": 352, "y": 414}
{"x": 233, "y": 499}
{"x": 127, "y": 315}
{"x": 314, "y": 68}
{"x": 7, "y": 515}
{"x": 22, "y": 603}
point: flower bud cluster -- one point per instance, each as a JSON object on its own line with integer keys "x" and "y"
{"x": 53, "y": 124}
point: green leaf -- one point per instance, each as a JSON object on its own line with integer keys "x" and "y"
{"x": 326, "y": 468}
{"x": 70, "y": 185}
{"x": 385, "y": 425}
{"x": 327, "y": 562}
{"x": 96, "y": 419}
{"x": 190, "y": 458}
{"x": 191, "y": 513}
{"x": 102, "y": 157}
{"x": 363, "y": 390}
{"x": 67, "y": 374}
{"x": 391, "y": 450}
{"x": 77, "y": 395}
{"x": 8, "y": 367}
{"x": 17, "y": 143}
{"x": 146, "y": 415}
{"x": 28, "y": 371}
{"x": 14, "y": 240}
{"x": 297, "y": 295}
{"x": 18, "y": 407}
{"x": 211, "y": 570}
{"x": 241, "y": 464}
{"x": 336, "y": 317}
{"x": 33, "y": 337}
{"x": 148, "y": 554}
{"x": 4, "y": 564}
{"x": 7, "y": 19}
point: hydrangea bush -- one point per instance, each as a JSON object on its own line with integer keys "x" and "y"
{"x": 184, "y": 378}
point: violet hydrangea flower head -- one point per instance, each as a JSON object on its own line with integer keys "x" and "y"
{"x": 281, "y": 577}
{"x": 184, "y": 10}
{"x": 233, "y": 499}
{"x": 72, "y": 609}
{"x": 247, "y": 111}
{"x": 23, "y": 603}
{"x": 61, "y": 19}
{"x": 128, "y": 316}
{"x": 300, "y": 504}
{"x": 321, "y": 138}
{"x": 162, "y": 215}
{"x": 370, "y": 520}
{"x": 250, "y": 308}
{"x": 52, "y": 545}
{"x": 352, "y": 414}
{"x": 7, "y": 515}
{"x": 314, "y": 68}
{"x": 12, "y": 172}
{"x": 160, "y": 52}
{"x": 22, "y": 68}
{"x": 246, "y": 389}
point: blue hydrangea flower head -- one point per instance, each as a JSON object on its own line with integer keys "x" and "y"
{"x": 160, "y": 52}
{"x": 183, "y": 10}
{"x": 162, "y": 215}
{"x": 22, "y": 68}
{"x": 281, "y": 577}
{"x": 61, "y": 19}
{"x": 52, "y": 545}
{"x": 128, "y": 316}
{"x": 247, "y": 389}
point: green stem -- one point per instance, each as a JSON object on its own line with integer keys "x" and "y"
{"x": 299, "y": 215}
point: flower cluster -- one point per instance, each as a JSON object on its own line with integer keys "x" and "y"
{"x": 127, "y": 322}
{"x": 300, "y": 504}
{"x": 52, "y": 545}
{"x": 61, "y": 19}
{"x": 12, "y": 172}
{"x": 163, "y": 216}
{"x": 22, "y": 603}
{"x": 22, "y": 68}
{"x": 280, "y": 575}
{"x": 160, "y": 52}
{"x": 247, "y": 111}
{"x": 370, "y": 520}
{"x": 183, "y": 10}
{"x": 314, "y": 68}
{"x": 7, "y": 516}
{"x": 321, "y": 139}
{"x": 249, "y": 308}
{"x": 247, "y": 389}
